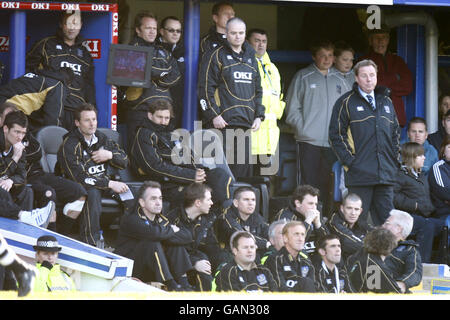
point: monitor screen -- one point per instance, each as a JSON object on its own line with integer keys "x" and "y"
{"x": 129, "y": 65}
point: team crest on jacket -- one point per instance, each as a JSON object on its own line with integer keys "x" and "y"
{"x": 387, "y": 109}
{"x": 304, "y": 271}
{"x": 261, "y": 278}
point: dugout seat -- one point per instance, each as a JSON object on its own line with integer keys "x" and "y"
{"x": 50, "y": 139}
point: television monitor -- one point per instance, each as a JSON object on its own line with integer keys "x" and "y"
{"x": 129, "y": 65}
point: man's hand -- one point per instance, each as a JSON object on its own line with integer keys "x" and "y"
{"x": 256, "y": 124}
{"x": 117, "y": 186}
{"x": 17, "y": 151}
{"x": 311, "y": 215}
{"x": 101, "y": 155}
{"x": 203, "y": 266}
{"x": 200, "y": 176}
{"x": 6, "y": 184}
{"x": 219, "y": 122}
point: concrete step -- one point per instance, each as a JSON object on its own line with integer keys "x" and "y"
{"x": 436, "y": 278}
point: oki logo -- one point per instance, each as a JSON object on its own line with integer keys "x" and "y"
{"x": 70, "y": 6}
{"x": 97, "y": 169}
{"x": 100, "y": 7}
{"x": 4, "y": 43}
{"x": 94, "y": 47}
{"x": 10, "y": 5}
{"x": 40, "y": 6}
{"x": 115, "y": 24}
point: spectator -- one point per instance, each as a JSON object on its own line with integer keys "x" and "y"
{"x": 68, "y": 195}
{"x": 165, "y": 73}
{"x": 311, "y": 96}
{"x": 404, "y": 261}
{"x": 64, "y": 58}
{"x": 243, "y": 274}
{"x": 343, "y": 62}
{"x": 154, "y": 149}
{"x": 216, "y": 36}
{"x": 292, "y": 269}
{"x": 196, "y": 217}
{"x": 265, "y": 140}
{"x": 345, "y": 223}
{"x": 368, "y": 269}
{"x": 366, "y": 143}
{"x": 444, "y": 131}
{"x": 331, "y": 275}
{"x": 417, "y": 132}
{"x": 230, "y": 95}
{"x": 439, "y": 180}
{"x": 412, "y": 194}
{"x": 50, "y": 277}
{"x": 303, "y": 207}
{"x": 154, "y": 244}
{"x": 275, "y": 238}
{"x": 170, "y": 38}
{"x": 242, "y": 215}
{"x": 87, "y": 157}
{"x": 393, "y": 72}
{"x": 24, "y": 273}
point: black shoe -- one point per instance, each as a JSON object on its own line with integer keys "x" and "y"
{"x": 25, "y": 275}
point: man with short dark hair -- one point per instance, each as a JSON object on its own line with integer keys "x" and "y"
{"x": 303, "y": 207}
{"x": 87, "y": 156}
{"x": 244, "y": 274}
{"x": 309, "y": 103}
{"x": 15, "y": 197}
{"x": 345, "y": 223}
{"x": 155, "y": 245}
{"x": 196, "y": 218}
{"x": 437, "y": 137}
{"x": 393, "y": 72}
{"x": 221, "y": 12}
{"x": 417, "y": 132}
{"x": 242, "y": 215}
{"x": 331, "y": 275}
{"x": 364, "y": 133}
{"x": 154, "y": 149}
{"x": 165, "y": 73}
{"x": 292, "y": 269}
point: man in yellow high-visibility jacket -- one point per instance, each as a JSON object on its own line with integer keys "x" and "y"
{"x": 50, "y": 277}
{"x": 265, "y": 140}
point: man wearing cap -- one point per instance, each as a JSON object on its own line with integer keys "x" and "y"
{"x": 50, "y": 277}
{"x": 392, "y": 70}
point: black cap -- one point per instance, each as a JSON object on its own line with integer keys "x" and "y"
{"x": 47, "y": 243}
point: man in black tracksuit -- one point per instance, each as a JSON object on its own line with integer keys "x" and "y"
{"x": 164, "y": 74}
{"x": 151, "y": 157}
{"x": 196, "y": 217}
{"x": 156, "y": 246}
{"x": 345, "y": 223}
{"x": 364, "y": 133}
{"x": 87, "y": 156}
{"x": 65, "y": 51}
{"x": 230, "y": 93}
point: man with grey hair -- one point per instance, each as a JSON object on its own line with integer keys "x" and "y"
{"x": 404, "y": 261}
{"x": 364, "y": 133}
{"x": 230, "y": 94}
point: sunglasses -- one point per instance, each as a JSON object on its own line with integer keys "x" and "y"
{"x": 173, "y": 30}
